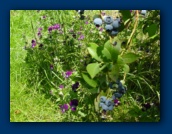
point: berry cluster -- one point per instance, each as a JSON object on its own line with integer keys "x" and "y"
{"x": 108, "y": 104}
{"x": 111, "y": 25}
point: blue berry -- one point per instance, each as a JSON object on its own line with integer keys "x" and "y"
{"x": 108, "y": 19}
{"x": 104, "y": 107}
{"x": 118, "y": 95}
{"x": 116, "y": 24}
{"x": 143, "y": 12}
{"x": 108, "y": 27}
{"x": 114, "y": 32}
{"x": 102, "y": 99}
{"x": 101, "y": 104}
{"x": 122, "y": 90}
{"x": 113, "y": 97}
{"x": 110, "y": 107}
{"x": 98, "y": 22}
{"x": 111, "y": 85}
{"x": 109, "y": 103}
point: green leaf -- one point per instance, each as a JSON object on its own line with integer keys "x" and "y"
{"x": 120, "y": 61}
{"x": 152, "y": 29}
{"x": 93, "y": 69}
{"x": 130, "y": 57}
{"x": 125, "y": 14}
{"x": 113, "y": 49}
{"x": 94, "y": 90}
{"x": 92, "y": 49}
{"x": 106, "y": 54}
{"x": 126, "y": 68}
{"x": 89, "y": 81}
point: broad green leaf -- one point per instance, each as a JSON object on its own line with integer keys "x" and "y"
{"x": 120, "y": 61}
{"x": 113, "y": 48}
{"x": 126, "y": 68}
{"x": 152, "y": 29}
{"x": 130, "y": 57}
{"x": 89, "y": 81}
{"x": 93, "y": 69}
{"x": 92, "y": 49}
{"x": 106, "y": 54}
{"x": 94, "y": 90}
{"x": 126, "y": 14}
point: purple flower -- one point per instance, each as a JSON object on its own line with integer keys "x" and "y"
{"x": 33, "y": 43}
{"x": 81, "y": 37}
{"x": 50, "y": 29}
{"x": 41, "y": 45}
{"x": 86, "y": 22}
{"x": 68, "y": 73}
{"x": 130, "y": 10}
{"x": 61, "y": 86}
{"x": 116, "y": 102}
{"x": 64, "y": 107}
{"x": 40, "y": 29}
{"x": 51, "y": 67}
{"x": 79, "y": 33}
{"x": 44, "y": 17}
{"x": 75, "y": 86}
{"x": 39, "y": 34}
{"x": 73, "y": 104}
{"x": 146, "y": 106}
{"x": 101, "y": 29}
{"x": 56, "y": 27}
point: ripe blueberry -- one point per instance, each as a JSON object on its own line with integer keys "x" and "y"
{"x": 143, "y": 12}
{"x": 116, "y": 24}
{"x": 98, "y": 22}
{"x": 108, "y": 19}
{"x": 108, "y": 27}
{"x": 102, "y": 99}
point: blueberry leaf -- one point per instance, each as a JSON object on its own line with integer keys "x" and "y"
{"x": 93, "y": 69}
{"x": 129, "y": 57}
{"x": 89, "y": 81}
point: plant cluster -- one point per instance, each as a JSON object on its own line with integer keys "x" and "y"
{"x": 88, "y": 61}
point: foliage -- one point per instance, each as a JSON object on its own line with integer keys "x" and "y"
{"x": 75, "y": 63}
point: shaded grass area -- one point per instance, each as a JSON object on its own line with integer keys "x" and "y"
{"x": 24, "y": 106}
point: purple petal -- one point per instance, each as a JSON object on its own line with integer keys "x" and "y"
{"x": 61, "y": 86}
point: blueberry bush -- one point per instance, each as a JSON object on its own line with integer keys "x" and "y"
{"x": 96, "y": 65}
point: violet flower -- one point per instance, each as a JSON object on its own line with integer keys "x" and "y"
{"x": 61, "y": 86}
{"x": 116, "y": 102}
{"x": 68, "y": 73}
{"x": 64, "y": 108}
{"x": 73, "y": 104}
{"x": 51, "y": 67}
{"x": 75, "y": 86}
{"x": 33, "y": 43}
{"x": 81, "y": 37}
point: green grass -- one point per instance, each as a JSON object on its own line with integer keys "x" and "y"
{"x": 25, "y": 107}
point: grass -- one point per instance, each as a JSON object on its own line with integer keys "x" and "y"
{"x": 23, "y": 106}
